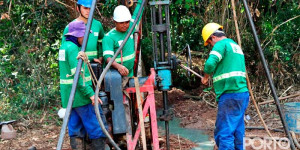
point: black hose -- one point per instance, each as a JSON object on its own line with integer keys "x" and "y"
{"x": 103, "y": 75}
{"x": 268, "y": 76}
{"x": 76, "y": 77}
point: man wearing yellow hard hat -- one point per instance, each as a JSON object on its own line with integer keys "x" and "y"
{"x": 226, "y": 63}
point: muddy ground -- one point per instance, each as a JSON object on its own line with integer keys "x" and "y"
{"x": 194, "y": 113}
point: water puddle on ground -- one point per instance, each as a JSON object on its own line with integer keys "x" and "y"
{"x": 196, "y": 136}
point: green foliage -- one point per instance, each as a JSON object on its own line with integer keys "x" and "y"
{"x": 29, "y": 69}
{"x": 29, "y": 45}
{"x": 279, "y": 34}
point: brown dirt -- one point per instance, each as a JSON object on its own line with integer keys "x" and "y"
{"x": 43, "y": 137}
{"x": 177, "y": 143}
{"x": 200, "y": 115}
{"x": 195, "y": 114}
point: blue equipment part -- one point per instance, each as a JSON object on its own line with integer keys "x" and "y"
{"x": 85, "y": 3}
{"x": 142, "y": 80}
{"x": 292, "y": 116}
{"x": 113, "y": 84}
{"x": 104, "y": 99}
{"x": 164, "y": 79}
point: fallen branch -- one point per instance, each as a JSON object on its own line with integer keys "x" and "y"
{"x": 98, "y": 11}
{"x": 192, "y": 97}
{"x": 263, "y": 128}
{"x": 179, "y": 142}
{"x": 280, "y": 98}
{"x": 64, "y": 4}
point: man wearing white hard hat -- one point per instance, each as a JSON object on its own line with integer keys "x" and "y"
{"x": 123, "y": 20}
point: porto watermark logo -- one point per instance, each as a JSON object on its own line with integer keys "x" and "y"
{"x": 266, "y": 143}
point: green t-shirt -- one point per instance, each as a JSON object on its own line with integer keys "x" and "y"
{"x": 67, "y": 68}
{"x": 113, "y": 40}
{"x": 95, "y": 38}
{"x": 226, "y": 61}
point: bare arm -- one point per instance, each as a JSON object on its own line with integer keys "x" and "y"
{"x": 122, "y": 69}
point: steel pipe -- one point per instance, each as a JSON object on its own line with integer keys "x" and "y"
{"x": 268, "y": 76}
{"x": 76, "y": 77}
{"x": 106, "y": 69}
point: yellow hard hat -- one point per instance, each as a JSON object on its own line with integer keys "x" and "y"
{"x": 208, "y": 30}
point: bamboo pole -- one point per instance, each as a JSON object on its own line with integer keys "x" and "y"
{"x": 140, "y": 110}
{"x": 235, "y": 23}
{"x": 247, "y": 77}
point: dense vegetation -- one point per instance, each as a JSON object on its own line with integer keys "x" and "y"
{"x": 31, "y": 31}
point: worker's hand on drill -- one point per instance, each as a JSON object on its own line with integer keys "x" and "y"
{"x": 100, "y": 60}
{"x": 205, "y": 79}
{"x": 93, "y": 100}
{"x": 123, "y": 70}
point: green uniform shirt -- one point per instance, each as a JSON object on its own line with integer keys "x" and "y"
{"x": 97, "y": 33}
{"x": 67, "y": 66}
{"x": 113, "y": 40}
{"x": 226, "y": 61}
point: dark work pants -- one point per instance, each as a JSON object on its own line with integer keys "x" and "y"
{"x": 230, "y": 127}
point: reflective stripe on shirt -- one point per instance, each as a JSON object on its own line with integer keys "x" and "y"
{"x": 86, "y": 79}
{"x": 66, "y": 81}
{"x": 108, "y": 52}
{"x": 126, "y": 58}
{"x": 216, "y": 54}
{"x": 70, "y": 81}
{"x": 91, "y": 53}
{"x": 229, "y": 75}
{"x": 73, "y": 71}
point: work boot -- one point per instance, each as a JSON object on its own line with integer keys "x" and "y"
{"x": 77, "y": 143}
{"x": 98, "y": 144}
{"x": 88, "y": 143}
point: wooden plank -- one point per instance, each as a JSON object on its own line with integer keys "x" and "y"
{"x": 140, "y": 110}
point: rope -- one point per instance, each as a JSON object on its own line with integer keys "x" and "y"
{"x": 85, "y": 59}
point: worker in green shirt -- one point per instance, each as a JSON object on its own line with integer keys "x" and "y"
{"x": 93, "y": 49}
{"x": 82, "y": 118}
{"x": 227, "y": 64}
{"x": 124, "y": 62}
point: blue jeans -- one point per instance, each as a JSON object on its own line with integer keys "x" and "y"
{"x": 230, "y": 127}
{"x": 83, "y": 120}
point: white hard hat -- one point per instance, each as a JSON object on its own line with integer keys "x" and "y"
{"x": 121, "y": 14}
